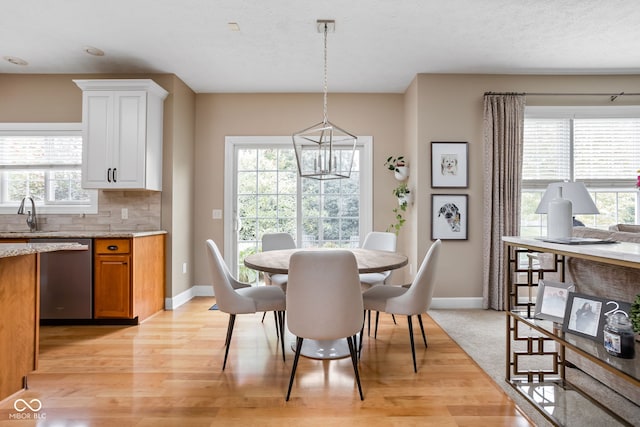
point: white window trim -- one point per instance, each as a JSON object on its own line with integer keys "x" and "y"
{"x": 49, "y": 128}
{"x": 366, "y": 187}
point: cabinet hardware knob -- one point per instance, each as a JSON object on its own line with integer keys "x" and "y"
{"x": 114, "y": 174}
{"x": 109, "y": 175}
{"x": 112, "y": 247}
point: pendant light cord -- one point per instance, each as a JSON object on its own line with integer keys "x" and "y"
{"x": 324, "y": 87}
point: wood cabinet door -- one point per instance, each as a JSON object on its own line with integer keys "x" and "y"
{"x": 112, "y": 287}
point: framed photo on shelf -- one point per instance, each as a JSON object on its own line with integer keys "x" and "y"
{"x": 449, "y": 165}
{"x": 449, "y": 216}
{"x": 584, "y": 316}
{"x": 551, "y": 300}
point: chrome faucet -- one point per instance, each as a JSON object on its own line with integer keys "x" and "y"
{"x": 32, "y": 221}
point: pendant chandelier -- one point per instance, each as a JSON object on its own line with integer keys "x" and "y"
{"x": 324, "y": 151}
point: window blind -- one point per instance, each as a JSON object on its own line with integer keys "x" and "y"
{"x": 35, "y": 151}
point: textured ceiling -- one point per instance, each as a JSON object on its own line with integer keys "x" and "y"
{"x": 378, "y": 45}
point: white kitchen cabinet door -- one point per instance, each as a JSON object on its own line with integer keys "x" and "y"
{"x": 122, "y": 136}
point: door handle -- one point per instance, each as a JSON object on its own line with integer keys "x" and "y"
{"x": 109, "y": 175}
{"x": 114, "y": 174}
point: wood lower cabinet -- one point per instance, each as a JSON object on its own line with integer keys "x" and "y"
{"x": 112, "y": 279}
{"x": 128, "y": 277}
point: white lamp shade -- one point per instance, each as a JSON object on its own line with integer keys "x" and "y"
{"x": 575, "y": 192}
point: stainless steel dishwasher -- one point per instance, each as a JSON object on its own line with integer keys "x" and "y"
{"x": 66, "y": 282}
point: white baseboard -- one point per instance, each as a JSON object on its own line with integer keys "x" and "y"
{"x": 207, "y": 291}
{"x": 183, "y": 297}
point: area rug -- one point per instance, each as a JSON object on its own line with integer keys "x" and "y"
{"x": 481, "y": 334}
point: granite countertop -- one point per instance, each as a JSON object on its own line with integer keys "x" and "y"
{"x": 76, "y": 234}
{"x": 17, "y": 249}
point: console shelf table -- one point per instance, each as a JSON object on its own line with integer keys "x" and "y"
{"x": 536, "y": 349}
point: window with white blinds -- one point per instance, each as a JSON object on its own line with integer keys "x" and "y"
{"x": 599, "y": 146}
{"x": 43, "y": 161}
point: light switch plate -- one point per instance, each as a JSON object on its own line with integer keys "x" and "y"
{"x": 217, "y": 214}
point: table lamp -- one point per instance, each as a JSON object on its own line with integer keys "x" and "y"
{"x": 561, "y": 201}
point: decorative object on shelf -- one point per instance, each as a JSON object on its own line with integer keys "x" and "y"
{"x": 551, "y": 300}
{"x": 398, "y": 166}
{"x": 618, "y": 336}
{"x": 324, "y": 150}
{"x": 559, "y": 222}
{"x": 634, "y": 315}
{"x": 449, "y": 216}
{"x": 584, "y": 316}
{"x": 449, "y": 165}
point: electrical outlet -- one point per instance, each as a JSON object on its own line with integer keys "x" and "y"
{"x": 125, "y": 213}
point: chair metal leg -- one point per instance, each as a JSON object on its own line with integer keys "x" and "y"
{"x": 295, "y": 364}
{"x": 280, "y": 325}
{"x": 424, "y": 337}
{"x": 354, "y": 360}
{"x": 375, "y": 334}
{"x": 264, "y": 313}
{"x": 227, "y": 342}
{"x": 275, "y": 319}
{"x": 362, "y": 335}
{"x": 413, "y": 348}
{"x": 393, "y": 316}
{"x": 368, "y": 315}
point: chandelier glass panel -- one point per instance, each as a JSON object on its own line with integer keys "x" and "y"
{"x": 324, "y": 150}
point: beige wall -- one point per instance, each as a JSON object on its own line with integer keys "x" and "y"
{"x": 220, "y": 115}
{"x": 55, "y": 98}
{"x": 434, "y": 108}
{"x": 450, "y": 108}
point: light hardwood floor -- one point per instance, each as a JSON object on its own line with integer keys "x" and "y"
{"x": 167, "y": 372}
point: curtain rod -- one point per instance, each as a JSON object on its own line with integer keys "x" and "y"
{"x": 612, "y": 95}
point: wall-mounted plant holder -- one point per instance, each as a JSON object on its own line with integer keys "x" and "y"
{"x": 401, "y": 173}
{"x": 406, "y": 199}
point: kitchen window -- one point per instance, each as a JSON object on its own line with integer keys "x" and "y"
{"x": 43, "y": 161}
{"x": 599, "y": 146}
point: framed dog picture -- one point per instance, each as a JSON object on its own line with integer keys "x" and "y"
{"x": 551, "y": 300}
{"x": 584, "y": 316}
{"x": 449, "y": 165}
{"x": 449, "y": 216}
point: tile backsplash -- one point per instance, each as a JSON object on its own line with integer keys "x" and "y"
{"x": 143, "y": 215}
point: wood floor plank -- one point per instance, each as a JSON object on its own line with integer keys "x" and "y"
{"x": 167, "y": 372}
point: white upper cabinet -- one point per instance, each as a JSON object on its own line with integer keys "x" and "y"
{"x": 122, "y": 134}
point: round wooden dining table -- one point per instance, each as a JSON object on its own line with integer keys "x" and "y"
{"x": 368, "y": 260}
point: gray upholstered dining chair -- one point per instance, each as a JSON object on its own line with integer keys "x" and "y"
{"x": 272, "y": 242}
{"x": 411, "y": 300}
{"x": 324, "y": 301}
{"x": 234, "y": 297}
{"x": 381, "y": 241}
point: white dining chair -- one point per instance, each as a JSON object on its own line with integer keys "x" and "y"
{"x": 234, "y": 297}
{"x": 411, "y": 300}
{"x": 381, "y": 241}
{"x": 324, "y": 302}
{"x": 272, "y": 242}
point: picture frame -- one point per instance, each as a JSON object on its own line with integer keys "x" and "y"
{"x": 449, "y": 216}
{"x": 584, "y": 316}
{"x": 551, "y": 300}
{"x": 449, "y": 165}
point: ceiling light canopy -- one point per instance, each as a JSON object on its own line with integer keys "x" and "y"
{"x": 15, "y": 60}
{"x": 324, "y": 150}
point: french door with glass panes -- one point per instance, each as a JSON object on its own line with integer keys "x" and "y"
{"x": 267, "y": 195}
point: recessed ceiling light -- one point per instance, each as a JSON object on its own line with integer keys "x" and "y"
{"x": 233, "y": 26}
{"x": 93, "y": 51}
{"x": 15, "y": 60}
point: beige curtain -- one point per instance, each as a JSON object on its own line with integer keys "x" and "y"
{"x": 503, "y": 130}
